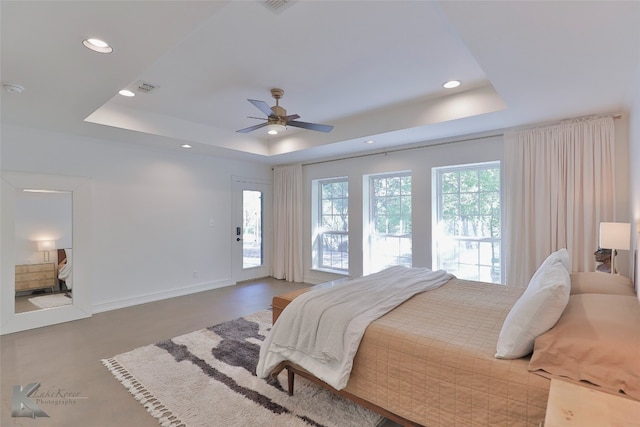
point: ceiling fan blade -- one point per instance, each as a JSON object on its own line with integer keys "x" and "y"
{"x": 262, "y": 106}
{"x": 257, "y": 118}
{"x": 311, "y": 126}
{"x": 292, "y": 117}
{"x": 251, "y": 128}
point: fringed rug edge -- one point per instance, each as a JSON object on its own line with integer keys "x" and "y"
{"x": 152, "y": 404}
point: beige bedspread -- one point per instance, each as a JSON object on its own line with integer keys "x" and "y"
{"x": 320, "y": 330}
{"x": 431, "y": 361}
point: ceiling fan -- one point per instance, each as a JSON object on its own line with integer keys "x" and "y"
{"x": 277, "y": 119}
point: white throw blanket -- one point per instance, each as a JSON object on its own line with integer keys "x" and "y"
{"x": 321, "y": 329}
{"x": 66, "y": 273}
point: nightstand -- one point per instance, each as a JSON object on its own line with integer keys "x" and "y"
{"x": 572, "y": 405}
{"x": 35, "y": 276}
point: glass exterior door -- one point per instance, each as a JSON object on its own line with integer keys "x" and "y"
{"x": 250, "y": 234}
{"x": 252, "y": 239}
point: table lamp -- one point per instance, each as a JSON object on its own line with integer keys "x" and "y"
{"x": 614, "y": 236}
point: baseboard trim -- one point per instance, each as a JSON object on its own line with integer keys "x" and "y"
{"x": 158, "y": 296}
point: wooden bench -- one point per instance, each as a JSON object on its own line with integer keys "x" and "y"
{"x": 279, "y": 302}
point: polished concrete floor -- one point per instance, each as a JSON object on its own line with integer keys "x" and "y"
{"x": 23, "y": 304}
{"x": 66, "y": 358}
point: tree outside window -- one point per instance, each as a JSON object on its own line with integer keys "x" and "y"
{"x": 467, "y": 237}
{"x": 390, "y": 221}
{"x": 333, "y": 235}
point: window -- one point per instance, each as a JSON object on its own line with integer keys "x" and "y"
{"x": 389, "y": 221}
{"x": 467, "y": 229}
{"x": 332, "y": 224}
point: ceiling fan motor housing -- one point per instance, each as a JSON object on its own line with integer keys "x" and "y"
{"x": 279, "y": 111}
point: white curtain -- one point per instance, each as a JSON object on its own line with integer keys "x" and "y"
{"x": 287, "y": 223}
{"x": 559, "y": 186}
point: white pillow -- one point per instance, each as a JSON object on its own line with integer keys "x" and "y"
{"x": 561, "y": 256}
{"x": 535, "y": 312}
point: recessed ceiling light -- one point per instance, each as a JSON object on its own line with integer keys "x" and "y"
{"x": 369, "y": 141}
{"x": 451, "y": 84}
{"x": 37, "y": 190}
{"x": 12, "y": 88}
{"x": 126, "y": 92}
{"x": 97, "y": 45}
{"x": 185, "y": 146}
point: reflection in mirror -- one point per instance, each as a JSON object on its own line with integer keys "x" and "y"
{"x": 79, "y": 192}
{"x": 43, "y": 249}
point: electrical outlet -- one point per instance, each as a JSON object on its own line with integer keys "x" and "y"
{"x": 211, "y": 222}
{"x": 195, "y": 274}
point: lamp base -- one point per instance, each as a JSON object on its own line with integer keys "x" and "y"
{"x": 613, "y": 261}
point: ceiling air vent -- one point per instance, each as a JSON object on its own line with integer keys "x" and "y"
{"x": 145, "y": 87}
{"x": 277, "y": 5}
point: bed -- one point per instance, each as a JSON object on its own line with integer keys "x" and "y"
{"x": 432, "y": 360}
{"x": 65, "y": 269}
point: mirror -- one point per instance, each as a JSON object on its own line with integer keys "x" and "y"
{"x": 43, "y": 249}
{"x": 28, "y": 242}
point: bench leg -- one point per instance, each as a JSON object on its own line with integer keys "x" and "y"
{"x": 290, "y": 380}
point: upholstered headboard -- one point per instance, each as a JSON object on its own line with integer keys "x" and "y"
{"x": 62, "y": 255}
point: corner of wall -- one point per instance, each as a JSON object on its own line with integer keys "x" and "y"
{"x": 634, "y": 182}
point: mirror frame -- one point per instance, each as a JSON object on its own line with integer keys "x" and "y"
{"x": 81, "y": 307}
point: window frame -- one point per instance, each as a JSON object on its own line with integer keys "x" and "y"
{"x": 370, "y": 223}
{"x": 321, "y": 232}
{"x": 437, "y": 202}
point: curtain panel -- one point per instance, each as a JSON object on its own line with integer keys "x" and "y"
{"x": 560, "y": 185}
{"x": 287, "y": 223}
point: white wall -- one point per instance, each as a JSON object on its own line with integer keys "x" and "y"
{"x": 151, "y": 208}
{"x": 634, "y": 187}
{"x": 624, "y": 265}
{"x": 419, "y": 162}
{"x": 41, "y": 216}
{"x": 151, "y": 211}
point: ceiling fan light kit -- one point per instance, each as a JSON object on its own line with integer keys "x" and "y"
{"x": 275, "y": 128}
{"x": 277, "y": 119}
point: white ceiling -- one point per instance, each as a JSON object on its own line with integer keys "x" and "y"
{"x": 372, "y": 69}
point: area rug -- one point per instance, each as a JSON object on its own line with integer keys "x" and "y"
{"x": 207, "y": 378}
{"x": 50, "y": 301}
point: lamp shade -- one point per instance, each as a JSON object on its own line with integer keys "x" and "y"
{"x": 46, "y": 245}
{"x": 615, "y": 235}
